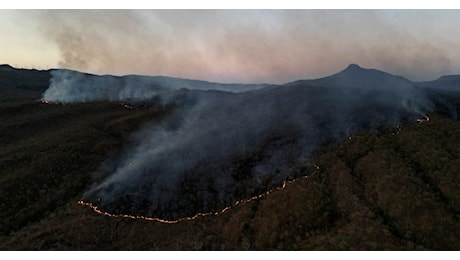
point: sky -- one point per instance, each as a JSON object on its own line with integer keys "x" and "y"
{"x": 233, "y": 46}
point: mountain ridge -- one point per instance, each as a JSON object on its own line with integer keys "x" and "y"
{"x": 356, "y": 76}
{"x": 351, "y": 70}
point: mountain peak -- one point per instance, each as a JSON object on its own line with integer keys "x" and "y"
{"x": 353, "y": 67}
{"x": 356, "y": 70}
{"x": 356, "y": 76}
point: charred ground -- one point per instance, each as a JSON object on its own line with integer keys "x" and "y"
{"x": 394, "y": 188}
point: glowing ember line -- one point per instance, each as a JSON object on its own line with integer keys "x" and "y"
{"x": 422, "y": 120}
{"x": 45, "y": 101}
{"x": 283, "y": 186}
{"x": 127, "y": 106}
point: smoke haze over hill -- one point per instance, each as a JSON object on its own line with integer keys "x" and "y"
{"x": 219, "y": 146}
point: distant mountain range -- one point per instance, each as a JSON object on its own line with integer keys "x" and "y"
{"x": 35, "y": 82}
{"x": 355, "y": 76}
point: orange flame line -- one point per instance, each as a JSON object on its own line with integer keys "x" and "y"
{"x": 127, "y": 106}
{"x": 425, "y": 119}
{"x": 236, "y": 203}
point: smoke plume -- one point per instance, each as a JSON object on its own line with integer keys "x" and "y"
{"x": 219, "y": 145}
{"x": 69, "y": 86}
{"x": 249, "y": 45}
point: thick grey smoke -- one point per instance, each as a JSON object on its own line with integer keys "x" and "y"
{"x": 218, "y": 146}
{"x": 71, "y": 86}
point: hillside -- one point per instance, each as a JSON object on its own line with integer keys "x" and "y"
{"x": 394, "y": 188}
{"x": 49, "y": 151}
{"x": 22, "y": 83}
{"x": 220, "y": 146}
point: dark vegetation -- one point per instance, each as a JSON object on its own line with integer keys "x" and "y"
{"x": 17, "y": 84}
{"x": 393, "y": 189}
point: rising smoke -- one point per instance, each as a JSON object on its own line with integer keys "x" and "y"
{"x": 221, "y": 146}
{"x": 247, "y": 45}
{"x": 71, "y": 86}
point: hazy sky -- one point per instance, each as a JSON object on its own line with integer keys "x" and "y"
{"x": 273, "y": 46}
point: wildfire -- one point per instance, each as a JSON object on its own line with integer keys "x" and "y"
{"x": 236, "y": 203}
{"x": 45, "y": 101}
{"x": 425, "y": 119}
{"x": 127, "y": 106}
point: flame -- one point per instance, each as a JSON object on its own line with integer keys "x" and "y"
{"x": 46, "y": 101}
{"x": 236, "y": 203}
{"x": 127, "y": 106}
{"x": 422, "y": 120}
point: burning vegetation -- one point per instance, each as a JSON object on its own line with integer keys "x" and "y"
{"x": 393, "y": 184}
{"x": 197, "y": 215}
